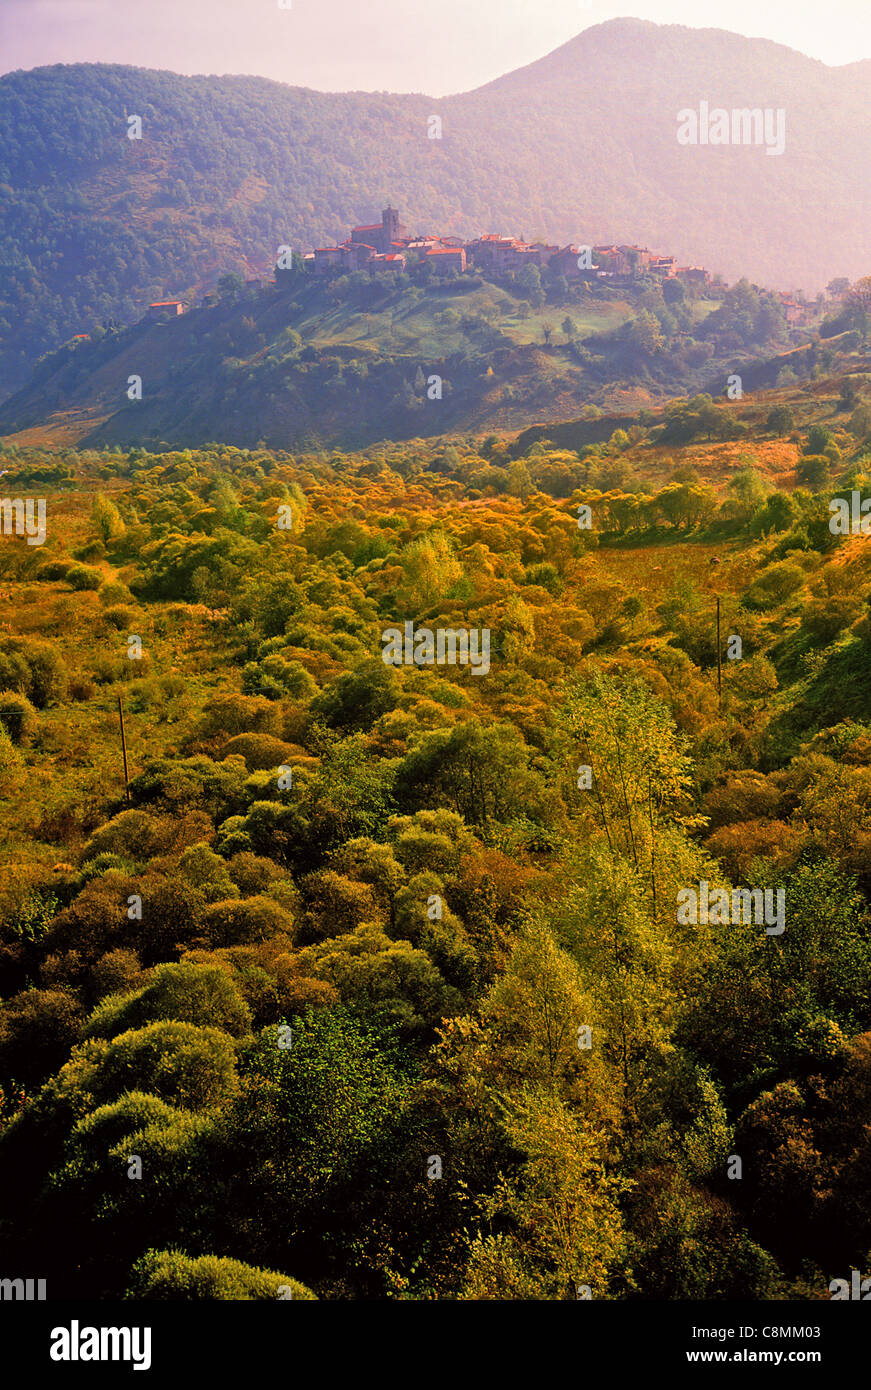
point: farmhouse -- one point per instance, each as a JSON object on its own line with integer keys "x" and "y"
{"x": 165, "y": 309}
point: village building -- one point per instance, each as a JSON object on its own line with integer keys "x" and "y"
{"x": 692, "y": 275}
{"x": 381, "y": 234}
{"x": 795, "y": 311}
{"x": 165, "y": 309}
{"x": 446, "y": 258}
{"x": 393, "y": 260}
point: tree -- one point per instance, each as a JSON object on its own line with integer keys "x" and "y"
{"x": 781, "y": 420}
{"x": 107, "y": 520}
{"x": 617, "y": 727}
{"x": 358, "y": 698}
{"x": 430, "y": 569}
{"x": 230, "y": 285}
{"x": 565, "y": 1226}
{"x": 482, "y": 773}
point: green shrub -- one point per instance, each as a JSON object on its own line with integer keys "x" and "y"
{"x": 120, "y": 618}
{"x": 187, "y": 993}
{"x": 774, "y": 586}
{"x": 84, "y": 577}
{"x": 189, "y": 1066}
{"x": 17, "y": 716}
{"x": 236, "y": 923}
{"x": 169, "y": 1274}
{"x": 53, "y": 570}
{"x": 261, "y": 752}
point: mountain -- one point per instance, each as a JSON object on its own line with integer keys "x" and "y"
{"x": 581, "y": 145}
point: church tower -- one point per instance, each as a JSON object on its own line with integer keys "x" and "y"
{"x": 392, "y": 228}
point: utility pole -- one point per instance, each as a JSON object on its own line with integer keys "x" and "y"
{"x": 719, "y": 657}
{"x": 124, "y": 751}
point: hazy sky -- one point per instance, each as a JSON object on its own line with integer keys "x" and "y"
{"x": 432, "y": 46}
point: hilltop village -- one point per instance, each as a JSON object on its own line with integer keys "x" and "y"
{"x": 388, "y": 246}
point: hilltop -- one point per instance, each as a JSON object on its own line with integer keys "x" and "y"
{"x": 349, "y": 359}
{"x": 95, "y": 225}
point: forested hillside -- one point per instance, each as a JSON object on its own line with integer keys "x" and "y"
{"x": 95, "y": 226}
{"x": 378, "y": 985}
{"x": 356, "y": 358}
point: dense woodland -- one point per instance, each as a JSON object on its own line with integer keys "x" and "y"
{"x": 331, "y": 974}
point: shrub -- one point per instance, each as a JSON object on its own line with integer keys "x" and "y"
{"x": 11, "y": 764}
{"x": 239, "y": 714}
{"x": 261, "y": 752}
{"x": 824, "y": 618}
{"x": 33, "y": 668}
{"x": 252, "y": 873}
{"x": 192, "y": 1067}
{"x": 781, "y": 420}
{"x": 184, "y": 992}
{"x": 118, "y": 972}
{"x": 37, "y": 1029}
{"x": 235, "y": 923}
{"x": 52, "y": 570}
{"x": 119, "y": 618}
{"x": 774, "y": 586}
{"x": 113, "y": 592}
{"x": 17, "y": 716}
{"x": 169, "y": 1274}
{"x": 84, "y": 577}
{"x": 813, "y": 470}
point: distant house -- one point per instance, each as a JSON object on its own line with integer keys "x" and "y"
{"x": 81, "y": 338}
{"x": 417, "y": 247}
{"x": 546, "y": 252}
{"x": 795, "y": 312}
{"x": 663, "y": 266}
{"x": 358, "y": 254}
{"x": 692, "y": 275}
{"x": 638, "y": 258}
{"x": 445, "y": 258}
{"x": 327, "y": 258}
{"x": 564, "y": 261}
{"x": 165, "y": 309}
